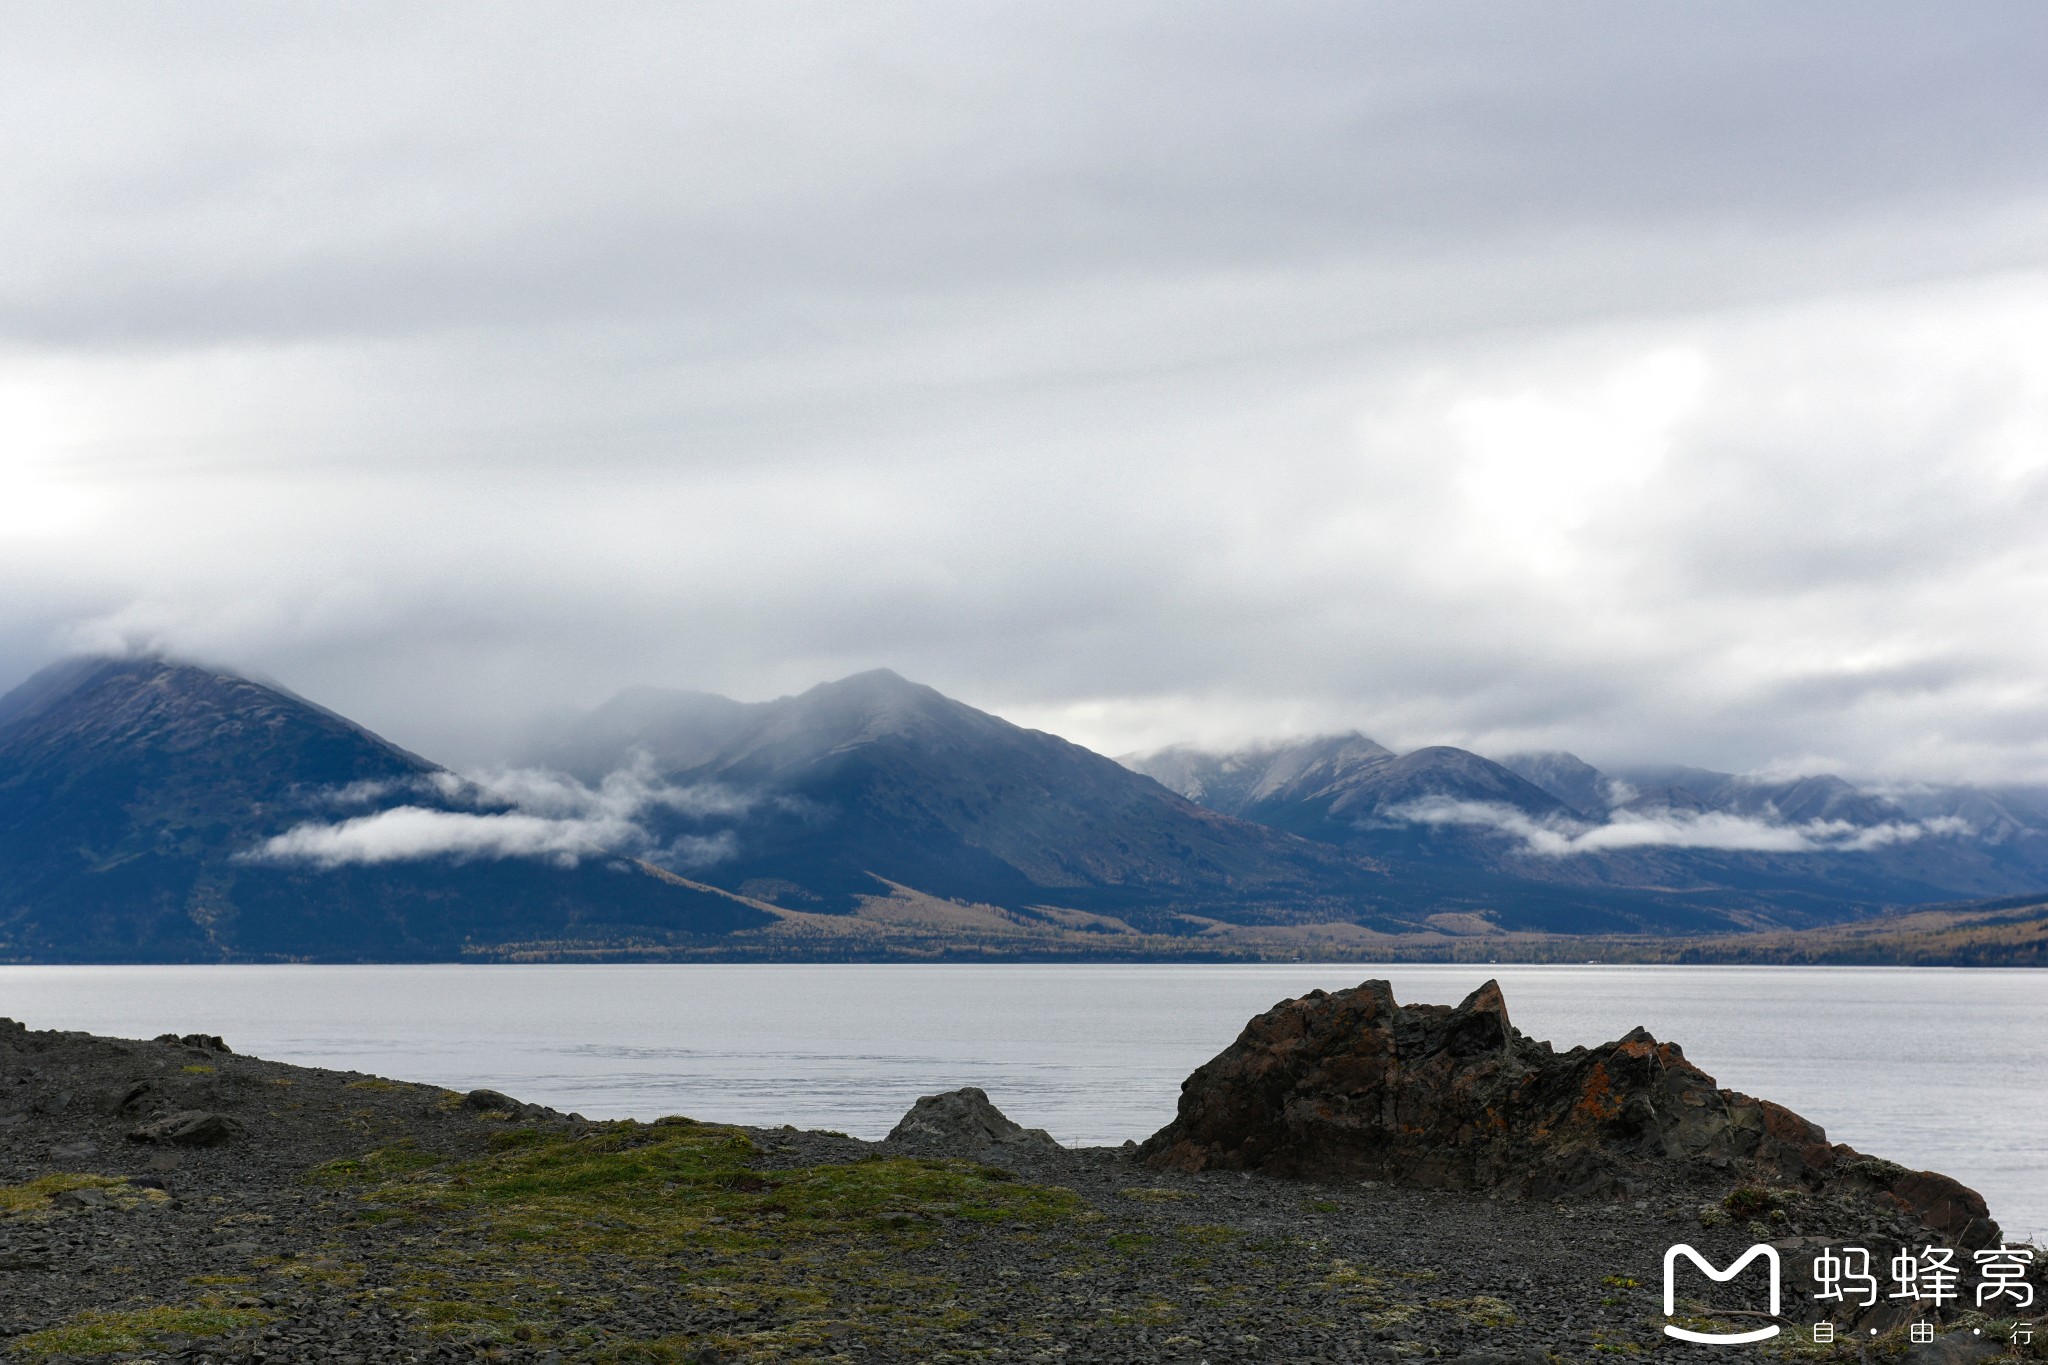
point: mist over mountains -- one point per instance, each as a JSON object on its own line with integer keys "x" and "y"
{"x": 157, "y": 810}
{"x": 1525, "y": 829}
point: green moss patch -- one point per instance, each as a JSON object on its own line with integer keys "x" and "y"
{"x": 34, "y": 1196}
{"x": 788, "y": 1260}
{"x": 400, "y": 1158}
{"x": 104, "y": 1333}
{"x": 658, "y": 1189}
{"x": 34, "y": 1199}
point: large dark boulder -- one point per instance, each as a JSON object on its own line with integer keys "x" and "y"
{"x": 1352, "y": 1085}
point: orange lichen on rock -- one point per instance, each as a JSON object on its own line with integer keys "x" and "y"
{"x": 1596, "y": 1098}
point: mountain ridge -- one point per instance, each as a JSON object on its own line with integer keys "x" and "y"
{"x": 158, "y": 810}
{"x": 1784, "y": 852}
{"x": 136, "y": 797}
{"x": 874, "y": 779}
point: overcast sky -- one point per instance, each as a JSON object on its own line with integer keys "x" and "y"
{"x": 1652, "y": 381}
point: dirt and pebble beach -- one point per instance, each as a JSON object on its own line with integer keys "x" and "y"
{"x": 171, "y": 1200}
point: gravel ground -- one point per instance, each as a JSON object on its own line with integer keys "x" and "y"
{"x": 260, "y": 1247}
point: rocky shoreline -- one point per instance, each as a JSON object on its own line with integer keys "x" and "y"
{"x": 1333, "y": 1189}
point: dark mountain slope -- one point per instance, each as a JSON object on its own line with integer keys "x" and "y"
{"x": 873, "y": 777}
{"x": 133, "y": 790}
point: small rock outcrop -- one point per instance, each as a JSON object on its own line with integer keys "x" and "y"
{"x": 1351, "y": 1085}
{"x": 963, "y": 1122}
{"x": 190, "y": 1128}
{"x": 204, "y": 1042}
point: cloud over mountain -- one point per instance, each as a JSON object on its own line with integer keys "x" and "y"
{"x": 528, "y": 813}
{"x": 1562, "y": 837}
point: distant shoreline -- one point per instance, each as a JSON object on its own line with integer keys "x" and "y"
{"x": 2004, "y": 933}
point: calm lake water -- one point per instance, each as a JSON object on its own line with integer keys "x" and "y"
{"x": 1936, "y": 1069}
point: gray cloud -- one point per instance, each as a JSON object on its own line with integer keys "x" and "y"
{"x": 1561, "y": 837}
{"x": 1654, "y": 384}
{"x": 525, "y": 813}
{"x": 411, "y": 833}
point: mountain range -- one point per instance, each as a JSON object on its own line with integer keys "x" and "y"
{"x": 1530, "y": 837}
{"x": 152, "y": 809}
